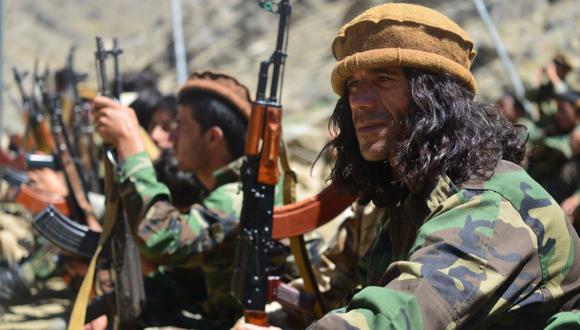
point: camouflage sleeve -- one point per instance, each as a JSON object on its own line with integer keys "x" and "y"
{"x": 564, "y": 320}
{"x": 139, "y": 186}
{"x": 165, "y": 235}
{"x": 464, "y": 263}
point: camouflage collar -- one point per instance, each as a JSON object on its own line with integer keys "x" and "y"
{"x": 443, "y": 189}
{"x": 229, "y": 173}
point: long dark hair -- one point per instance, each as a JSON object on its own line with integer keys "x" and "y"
{"x": 446, "y": 131}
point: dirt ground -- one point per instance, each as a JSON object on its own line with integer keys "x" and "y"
{"x": 46, "y": 309}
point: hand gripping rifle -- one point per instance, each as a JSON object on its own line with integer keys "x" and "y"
{"x": 83, "y": 130}
{"x": 259, "y": 177}
{"x": 126, "y": 264}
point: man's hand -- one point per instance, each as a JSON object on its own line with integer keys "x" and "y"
{"x": 552, "y": 73}
{"x": 242, "y": 325}
{"x": 569, "y": 206}
{"x": 118, "y": 126}
{"x": 46, "y": 180}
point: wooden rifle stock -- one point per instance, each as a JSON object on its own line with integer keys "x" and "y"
{"x": 35, "y": 201}
{"x": 308, "y": 214}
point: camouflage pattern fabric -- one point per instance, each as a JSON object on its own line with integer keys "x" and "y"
{"x": 346, "y": 249}
{"x": 486, "y": 254}
{"x": 553, "y": 164}
{"x": 204, "y": 237}
{"x": 564, "y": 321}
{"x": 544, "y": 98}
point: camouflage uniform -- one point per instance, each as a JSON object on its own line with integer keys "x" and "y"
{"x": 351, "y": 242}
{"x": 544, "y": 98}
{"x": 485, "y": 254}
{"x": 202, "y": 238}
{"x": 553, "y": 164}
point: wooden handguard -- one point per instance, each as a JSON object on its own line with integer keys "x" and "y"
{"x": 308, "y": 214}
{"x": 259, "y": 318}
{"x": 268, "y": 172}
{"x": 255, "y": 129}
{"x": 42, "y": 137}
{"x": 36, "y": 202}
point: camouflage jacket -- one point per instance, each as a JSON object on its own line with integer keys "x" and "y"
{"x": 202, "y": 238}
{"x": 485, "y": 254}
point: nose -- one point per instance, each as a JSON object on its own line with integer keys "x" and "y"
{"x": 173, "y": 134}
{"x": 361, "y": 98}
{"x": 157, "y": 134}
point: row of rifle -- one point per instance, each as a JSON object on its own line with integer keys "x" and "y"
{"x": 69, "y": 146}
{"x": 46, "y": 133}
{"x": 259, "y": 221}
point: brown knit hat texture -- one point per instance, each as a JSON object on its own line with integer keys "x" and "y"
{"x": 405, "y": 35}
{"x": 222, "y": 85}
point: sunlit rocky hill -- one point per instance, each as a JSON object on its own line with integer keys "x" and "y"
{"x": 234, "y": 35}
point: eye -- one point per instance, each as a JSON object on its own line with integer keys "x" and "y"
{"x": 352, "y": 84}
{"x": 384, "y": 77}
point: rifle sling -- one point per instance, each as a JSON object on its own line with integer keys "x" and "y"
{"x": 36, "y": 202}
{"x": 297, "y": 244}
{"x": 77, "y": 320}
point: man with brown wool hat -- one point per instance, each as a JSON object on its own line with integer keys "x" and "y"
{"x": 213, "y": 110}
{"x": 468, "y": 240}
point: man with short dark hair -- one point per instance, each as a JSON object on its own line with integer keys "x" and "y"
{"x": 468, "y": 239}
{"x": 213, "y": 110}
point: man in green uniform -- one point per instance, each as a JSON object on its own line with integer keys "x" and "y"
{"x": 550, "y": 83}
{"x": 213, "y": 110}
{"x": 469, "y": 239}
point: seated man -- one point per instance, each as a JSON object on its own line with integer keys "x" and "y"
{"x": 468, "y": 239}
{"x": 185, "y": 188}
{"x": 213, "y": 110}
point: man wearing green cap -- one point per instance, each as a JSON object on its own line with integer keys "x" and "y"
{"x": 468, "y": 240}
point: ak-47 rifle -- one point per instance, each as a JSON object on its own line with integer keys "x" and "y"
{"x": 126, "y": 259}
{"x": 126, "y": 265}
{"x": 260, "y": 175}
{"x": 37, "y": 124}
{"x": 129, "y": 295}
{"x": 85, "y": 147}
{"x": 67, "y": 161}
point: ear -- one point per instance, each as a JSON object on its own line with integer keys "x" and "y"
{"x": 214, "y": 135}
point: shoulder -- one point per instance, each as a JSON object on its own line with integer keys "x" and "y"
{"x": 510, "y": 196}
{"x": 513, "y": 183}
{"x": 226, "y": 199}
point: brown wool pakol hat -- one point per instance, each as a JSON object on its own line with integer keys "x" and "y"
{"x": 222, "y": 85}
{"x": 406, "y": 35}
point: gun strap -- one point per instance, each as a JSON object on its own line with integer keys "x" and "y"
{"x": 78, "y": 314}
{"x": 297, "y": 243}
